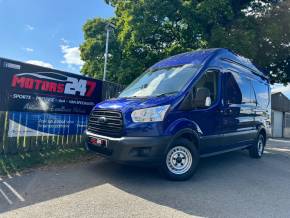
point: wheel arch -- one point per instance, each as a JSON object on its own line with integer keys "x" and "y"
{"x": 262, "y": 131}
{"x": 189, "y": 134}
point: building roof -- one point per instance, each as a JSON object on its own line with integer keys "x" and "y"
{"x": 280, "y": 102}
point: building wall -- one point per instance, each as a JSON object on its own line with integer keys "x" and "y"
{"x": 277, "y": 124}
{"x": 280, "y": 105}
{"x": 287, "y": 125}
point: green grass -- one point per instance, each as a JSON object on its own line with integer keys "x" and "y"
{"x": 11, "y": 164}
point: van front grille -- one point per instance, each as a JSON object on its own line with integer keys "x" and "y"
{"x": 106, "y": 122}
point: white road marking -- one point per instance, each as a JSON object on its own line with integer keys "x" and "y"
{"x": 14, "y": 191}
{"x": 6, "y": 197}
{"x": 280, "y": 140}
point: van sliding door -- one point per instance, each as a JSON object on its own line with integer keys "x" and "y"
{"x": 239, "y": 110}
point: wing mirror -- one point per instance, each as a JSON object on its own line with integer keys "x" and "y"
{"x": 208, "y": 101}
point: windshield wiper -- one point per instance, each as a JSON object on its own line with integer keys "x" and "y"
{"x": 144, "y": 97}
{"x": 135, "y": 96}
{"x": 166, "y": 93}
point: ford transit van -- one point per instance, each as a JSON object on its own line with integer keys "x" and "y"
{"x": 183, "y": 108}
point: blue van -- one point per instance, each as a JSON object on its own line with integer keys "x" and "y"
{"x": 185, "y": 107}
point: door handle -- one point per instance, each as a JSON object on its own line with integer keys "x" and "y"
{"x": 226, "y": 111}
{"x": 229, "y": 110}
{"x": 220, "y": 110}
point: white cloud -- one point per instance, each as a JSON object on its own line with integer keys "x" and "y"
{"x": 40, "y": 63}
{"x": 281, "y": 88}
{"x": 29, "y": 49}
{"x": 71, "y": 55}
{"x": 29, "y": 27}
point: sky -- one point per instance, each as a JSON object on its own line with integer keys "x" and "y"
{"x": 281, "y": 88}
{"x": 47, "y": 32}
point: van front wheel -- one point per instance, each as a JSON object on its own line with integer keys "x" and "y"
{"x": 180, "y": 161}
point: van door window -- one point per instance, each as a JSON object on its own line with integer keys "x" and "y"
{"x": 262, "y": 93}
{"x": 231, "y": 90}
{"x": 238, "y": 89}
{"x": 205, "y": 91}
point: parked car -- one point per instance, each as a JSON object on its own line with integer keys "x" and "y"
{"x": 183, "y": 108}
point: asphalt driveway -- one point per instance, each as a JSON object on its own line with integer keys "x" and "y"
{"x": 230, "y": 185}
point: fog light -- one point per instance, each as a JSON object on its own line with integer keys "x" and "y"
{"x": 140, "y": 152}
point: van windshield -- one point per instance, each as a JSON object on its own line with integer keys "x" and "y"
{"x": 165, "y": 81}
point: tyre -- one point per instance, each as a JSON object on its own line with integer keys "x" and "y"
{"x": 257, "y": 150}
{"x": 180, "y": 160}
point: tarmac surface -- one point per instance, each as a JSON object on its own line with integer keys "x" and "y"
{"x": 229, "y": 185}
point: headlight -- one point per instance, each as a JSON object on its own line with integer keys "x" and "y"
{"x": 152, "y": 114}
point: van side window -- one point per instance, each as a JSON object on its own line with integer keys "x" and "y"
{"x": 231, "y": 90}
{"x": 262, "y": 93}
{"x": 205, "y": 91}
{"x": 238, "y": 89}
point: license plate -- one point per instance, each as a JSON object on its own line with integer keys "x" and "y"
{"x": 99, "y": 142}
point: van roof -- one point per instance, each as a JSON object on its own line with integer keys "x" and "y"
{"x": 199, "y": 57}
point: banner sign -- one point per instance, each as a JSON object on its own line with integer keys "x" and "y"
{"x": 44, "y": 124}
{"x": 26, "y": 87}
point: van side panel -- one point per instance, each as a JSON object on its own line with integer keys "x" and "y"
{"x": 263, "y": 110}
{"x": 239, "y": 109}
{"x": 206, "y": 123}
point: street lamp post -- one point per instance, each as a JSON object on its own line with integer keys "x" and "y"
{"x": 109, "y": 27}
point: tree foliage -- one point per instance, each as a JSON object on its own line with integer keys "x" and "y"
{"x": 147, "y": 31}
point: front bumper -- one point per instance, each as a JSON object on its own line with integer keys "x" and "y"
{"x": 131, "y": 150}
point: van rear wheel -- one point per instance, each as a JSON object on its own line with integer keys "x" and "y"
{"x": 257, "y": 150}
{"x": 180, "y": 160}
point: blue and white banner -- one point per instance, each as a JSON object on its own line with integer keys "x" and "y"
{"x": 30, "y": 88}
{"x": 45, "y": 124}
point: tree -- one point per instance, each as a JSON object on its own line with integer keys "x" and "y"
{"x": 92, "y": 50}
{"x": 274, "y": 52}
{"x": 263, "y": 36}
{"x": 147, "y": 31}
